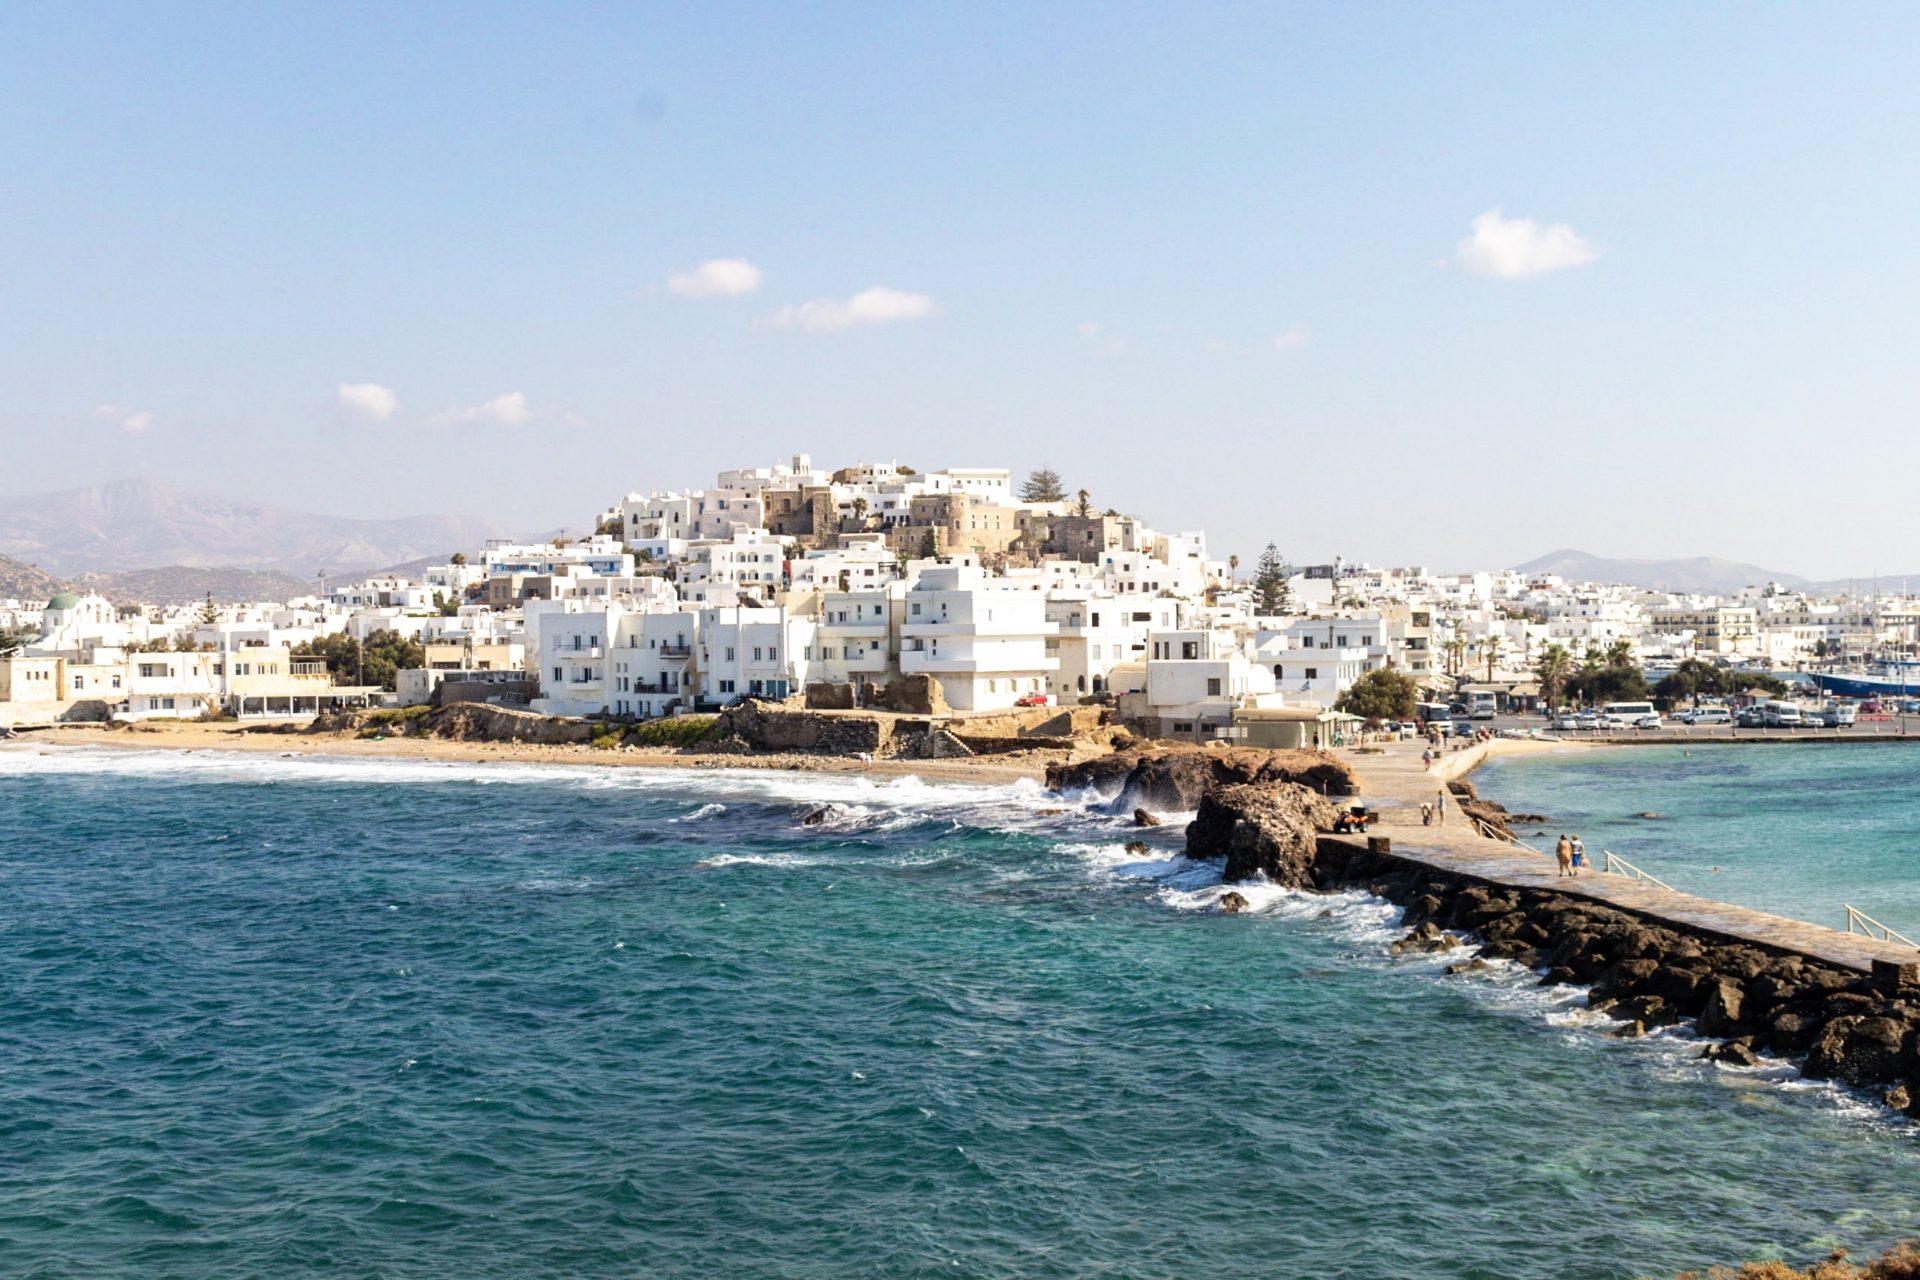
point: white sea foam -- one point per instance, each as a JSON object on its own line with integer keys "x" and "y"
{"x": 784, "y": 861}
{"x": 704, "y": 811}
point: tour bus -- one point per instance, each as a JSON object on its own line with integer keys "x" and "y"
{"x": 1481, "y": 706}
{"x": 1433, "y": 713}
{"x": 1629, "y": 715}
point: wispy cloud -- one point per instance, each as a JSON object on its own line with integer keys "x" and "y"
{"x": 1292, "y": 338}
{"x": 717, "y": 278}
{"x": 509, "y": 410}
{"x": 1098, "y": 337}
{"x": 878, "y": 305}
{"x": 131, "y": 421}
{"x": 369, "y": 400}
{"x": 1520, "y": 248}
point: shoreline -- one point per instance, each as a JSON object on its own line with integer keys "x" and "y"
{"x": 225, "y": 737}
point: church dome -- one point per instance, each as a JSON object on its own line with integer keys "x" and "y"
{"x": 65, "y": 600}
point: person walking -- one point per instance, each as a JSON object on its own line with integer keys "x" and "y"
{"x": 1426, "y": 759}
{"x": 1563, "y": 854}
{"x": 1579, "y": 850}
{"x": 1440, "y": 807}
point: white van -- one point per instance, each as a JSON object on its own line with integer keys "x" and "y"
{"x": 1626, "y": 715}
{"x": 1708, "y": 715}
{"x": 1780, "y": 715}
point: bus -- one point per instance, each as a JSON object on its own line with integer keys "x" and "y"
{"x": 1481, "y": 706}
{"x": 1433, "y": 713}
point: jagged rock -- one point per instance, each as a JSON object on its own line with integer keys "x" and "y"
{"x": 1631, "y": 1031}
{"x": 1427, "y": 937}
{"x": 1267, "y": 829}
{"x": 1792, "y": 1031}
{"x": 1138, "y": 848}
{"x": 1900, "y": 1098}
{"x": 1424, "y": 907}
{"x": 1469, "y": 966}
{"x": 1174, "y": 779}
{"x": 1734, "y": 1052}
{"x": 1724, "y": 1010}
{"x": 1231, "y": 902}
{"x": 817, "y": 815}
{"x": 1559, "y": 976}
{"x": 1649, "y": 1011}
{"x": 1141, "y": 818}
{"x": 1858, "y": 1050}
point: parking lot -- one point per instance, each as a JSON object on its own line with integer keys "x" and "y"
{"x": 1867, "y": 727}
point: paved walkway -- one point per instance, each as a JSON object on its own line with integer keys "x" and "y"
{"x": 1395, "y": 782}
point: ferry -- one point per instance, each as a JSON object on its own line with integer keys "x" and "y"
{"x": 1880, "y": 680}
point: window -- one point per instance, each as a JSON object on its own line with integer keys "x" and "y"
{"x": 729, "y": 653}
{"x": 1213, "y": 686}
{"x": 557, "y": 675}
{"x": 1313, "y": 673}
{"x": 916, "y": 610}
{"x": 726, "y": 686}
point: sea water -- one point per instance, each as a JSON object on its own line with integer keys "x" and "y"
{"x": 1802, "y": 830}
{"x": 296, "y": 1017}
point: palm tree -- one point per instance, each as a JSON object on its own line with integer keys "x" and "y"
{"x": 1455, "y": 648}
{"x": 1491, "y": 648}
{"x": 1555, "y": 665}
{"x": 1620, "y": 653}
{"x": 1083, "y": 504}
{"x": 1233, "y": 566}
{"x": 860, "y": 513}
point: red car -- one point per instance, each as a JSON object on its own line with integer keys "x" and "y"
{"x": 1031, "y": 700}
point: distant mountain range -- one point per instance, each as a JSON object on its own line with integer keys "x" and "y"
{"x": 142, "y": 524}
{"x": 24, "y": 582}
{"x": 1695, "y": 574}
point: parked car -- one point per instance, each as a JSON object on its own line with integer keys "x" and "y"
{"x": 1586, "y": 720}
{"x": 1031, "y": 700}
{"x": 1649, "y": 722}
{"x": 1754, "y": 717}
{"x": 1463, "y": 729}
{"x": 1836, "y": 714}
{"x": 1566, "y": 720}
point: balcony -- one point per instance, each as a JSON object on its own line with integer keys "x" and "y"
{"x": 675, "y": 651}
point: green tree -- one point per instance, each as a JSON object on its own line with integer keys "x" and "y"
{"x": 458, "y": 557}
{"x": 11, "y": 641}
{"x": 378, "y": 662}
{"x": 1043, "y": 485}
{"x": 1271, "y": 594}
{"x": 929, "y": 546}
{"x": 1553, "y": 669}
{"x": 860, "y": 513}
{"x": 1690, "y": 681}
{"x": 1083, "y": 504}
{"x": 209, "y": 612}
{"x": 1384, "y": 694}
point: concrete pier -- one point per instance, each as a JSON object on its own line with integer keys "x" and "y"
{"x": 1397, "y": 785}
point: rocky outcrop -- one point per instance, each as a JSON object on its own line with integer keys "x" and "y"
{"x": 1266, "y": 829}
{"x": 1174, "y": 779}
{"x": 770, "y": 727}
{"x": 1857, "y": 1028}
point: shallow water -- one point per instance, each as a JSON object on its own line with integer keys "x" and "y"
{"x": 1797, "y": 829}
{"x": 301, "y": 1017}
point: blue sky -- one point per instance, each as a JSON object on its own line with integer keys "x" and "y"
{"x": 1207, "y": 261}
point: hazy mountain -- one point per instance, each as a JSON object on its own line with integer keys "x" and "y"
{"x": 1700, "y": 573}
{"x": 184, "y": 584}
{"x": 25, "y": 583}
{"x": 142, "y": 524}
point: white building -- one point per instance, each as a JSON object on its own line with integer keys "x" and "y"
{"x": 984, "y": 643}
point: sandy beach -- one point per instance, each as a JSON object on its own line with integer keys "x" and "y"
{"x": 191, "y": 736}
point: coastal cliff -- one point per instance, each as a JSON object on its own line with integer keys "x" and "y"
{"x": 1175, "y": 779}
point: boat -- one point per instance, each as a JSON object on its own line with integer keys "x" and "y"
{"x": 1878, "y": 680}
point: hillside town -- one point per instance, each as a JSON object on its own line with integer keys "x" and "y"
{"x": 789, "y": 580}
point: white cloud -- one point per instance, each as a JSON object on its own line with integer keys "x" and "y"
{"x": 131, "y": 421}
{"x": 1519, "y": 248}
{"x": 1292, "y": 338}
{"x": 877, "y": 305}
{"x": 509, "y": 410}
{"x": 1099, "y": 338}
{"x": 368, "y": 400}
{"x": 718, "y": 278}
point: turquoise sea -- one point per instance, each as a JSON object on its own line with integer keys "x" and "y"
{"x": 297, "y": 1017}
{"x": 1802, "y": 830}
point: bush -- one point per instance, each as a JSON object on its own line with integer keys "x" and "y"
{"x": 606, "y": 739}
{"x": 676, "y": 731}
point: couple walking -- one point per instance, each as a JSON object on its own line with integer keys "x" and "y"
{"x": 1571, "y": 855}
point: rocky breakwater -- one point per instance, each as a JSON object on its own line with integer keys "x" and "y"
{"x": 1862, "y": 1029}
{"x": 1269, "y": 829}
{"x": 1176, "y": 779}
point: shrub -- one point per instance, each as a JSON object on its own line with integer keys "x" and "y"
{"x": 677, "y": 731}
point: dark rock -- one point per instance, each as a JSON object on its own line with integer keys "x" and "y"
{"x": 1173, "y": 779}
{"x": 1141, "y": 818}
{"x": 816, "y": 815}
{"x": 1424, "y": 907}
{"x": 1469, "y": 966}
{"x": 1560, "y": 976}
{"x": 1650, "y": 1011}
{"x": 1631, "y": 1031}
{"x": 1900, "y": 1098}
{"x": 1138, "y": 848}
{"x": 1791, "y": 1032}
{"x": 1724, "y": 1010}
{"x": 1734, "y": 1052}
{"x": 1859, "y": 1051}
{"x": 1231, "y": 902}
{"x": 1627, "y": 978}
{"x": 1427, "y": 937}
{"x": 1270, "y": 829}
